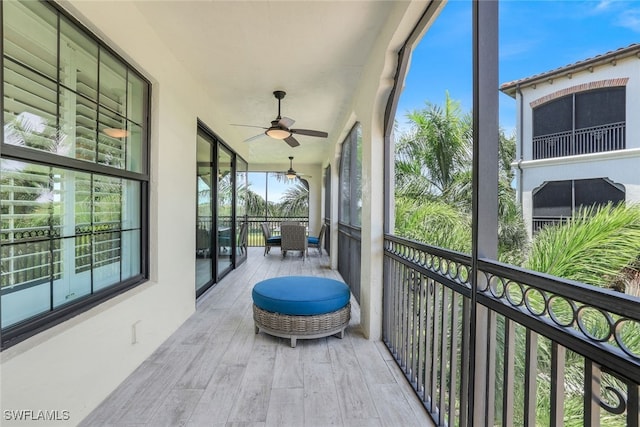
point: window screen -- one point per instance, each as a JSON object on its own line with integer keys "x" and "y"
{"x": 553, "y": 117}
{"x": 600, "y": 107}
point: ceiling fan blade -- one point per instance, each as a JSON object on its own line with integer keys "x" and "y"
{"x": 309, "y": 132}
{"x": 291, "y": 141}
{"x": 254, "y": 137}
{"x": 286, "y": 122}
{"x": 249, "y": 126}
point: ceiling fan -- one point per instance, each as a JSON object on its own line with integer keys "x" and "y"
{"x": 281, "y": 127}
{"x": 291, "y": 173}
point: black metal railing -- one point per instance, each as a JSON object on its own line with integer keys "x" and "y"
{"x": 254, "y": 230}
{"x": 327, "y": 235}
{"x": 349, "y": 255}
{"x": 548, "y": 350}
{"x": 537, "y": 223}
{"x": 595, "y": 139}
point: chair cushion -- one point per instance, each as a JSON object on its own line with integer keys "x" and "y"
{"x": 274, "y": 239}
{"x": 300, "y": 295}
{"x": 313, "y": 240}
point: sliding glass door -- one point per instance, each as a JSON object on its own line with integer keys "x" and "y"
{"x": 204, "y": 220}
{"x": 221, "y": 175}
{"x": 242, "y": 224}
{"x": 224, "y": 207}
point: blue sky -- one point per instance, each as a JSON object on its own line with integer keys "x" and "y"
{"x": 535, "y": 36}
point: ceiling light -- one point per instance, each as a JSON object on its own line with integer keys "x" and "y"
{"x": 116, "y": 133}
{"x": 278, "y": 133}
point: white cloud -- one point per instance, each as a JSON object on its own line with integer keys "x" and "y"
{"x": 517, "y": 48}
{"x": 630, "y": 19}
{"x": 603, "y": 5}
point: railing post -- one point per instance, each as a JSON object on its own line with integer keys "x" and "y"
{"x": 592, "y": 385}
{"x": 508, "y": 377}
{"x": 558, "y": 354}
{"x": 531, "y": 371}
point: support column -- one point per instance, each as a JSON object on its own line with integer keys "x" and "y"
{"x": 372, "y": 255}
{"x": 485, "y": 197}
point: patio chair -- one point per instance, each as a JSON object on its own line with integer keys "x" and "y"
{"x": 224, "y": 238}
{"x": 294, "y": 238}
{"x": 203, "y": 242}
{"x": 242, "y": 239}
{"x": 269, "y": 240}
{"x": 316, "y": 242}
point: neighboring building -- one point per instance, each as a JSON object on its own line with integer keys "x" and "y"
{"x": 577, "y": 144}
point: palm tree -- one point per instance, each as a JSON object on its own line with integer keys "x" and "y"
{"x": 253, "y": 202}
{"x": 444, "y": 225}
{"x": 433, "y": 166}
{"x": 435, "y": 149}
{"x": 295, "y": 200}
{"x": 598, "y": 246}
{"x": 512, "y": 235}
{"x": 594, "y": 247}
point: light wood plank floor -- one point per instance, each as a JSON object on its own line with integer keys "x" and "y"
{"x": 215, "y": 371}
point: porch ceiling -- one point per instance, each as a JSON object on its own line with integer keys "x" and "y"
{"x": 314, "y": 50}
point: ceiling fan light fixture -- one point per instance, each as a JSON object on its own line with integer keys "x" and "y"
{"x": 280, "y": 128}
{"x": 278, "y": 133}
{"x": 291, "y": 174}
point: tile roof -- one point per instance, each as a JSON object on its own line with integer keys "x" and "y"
{"x": 634, "y": 48}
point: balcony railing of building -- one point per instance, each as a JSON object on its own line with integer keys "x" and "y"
{"x": 539, "y": 222}
{"x": 254, "y": 231}
{"x": 595, "y": 139}
{"x": 547, "y": 349}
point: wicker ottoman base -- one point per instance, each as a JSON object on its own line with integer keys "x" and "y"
{"x": 302, "y": 327}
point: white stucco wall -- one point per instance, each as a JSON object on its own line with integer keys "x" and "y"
{"x": 75, "y": 365}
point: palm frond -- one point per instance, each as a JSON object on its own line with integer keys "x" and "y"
{"x": 592, "y": 247}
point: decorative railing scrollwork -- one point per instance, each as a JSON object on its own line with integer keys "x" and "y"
{"x": 456, "y": 267}
{"x": 599, "y": 317}
{"x": 575, "y": 345}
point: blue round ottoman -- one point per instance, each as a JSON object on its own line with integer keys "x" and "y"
{"x": 301, "y": 307}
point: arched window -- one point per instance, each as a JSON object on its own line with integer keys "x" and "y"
{"x": 580, "y": 123}
{"x": 555, "y": 201}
